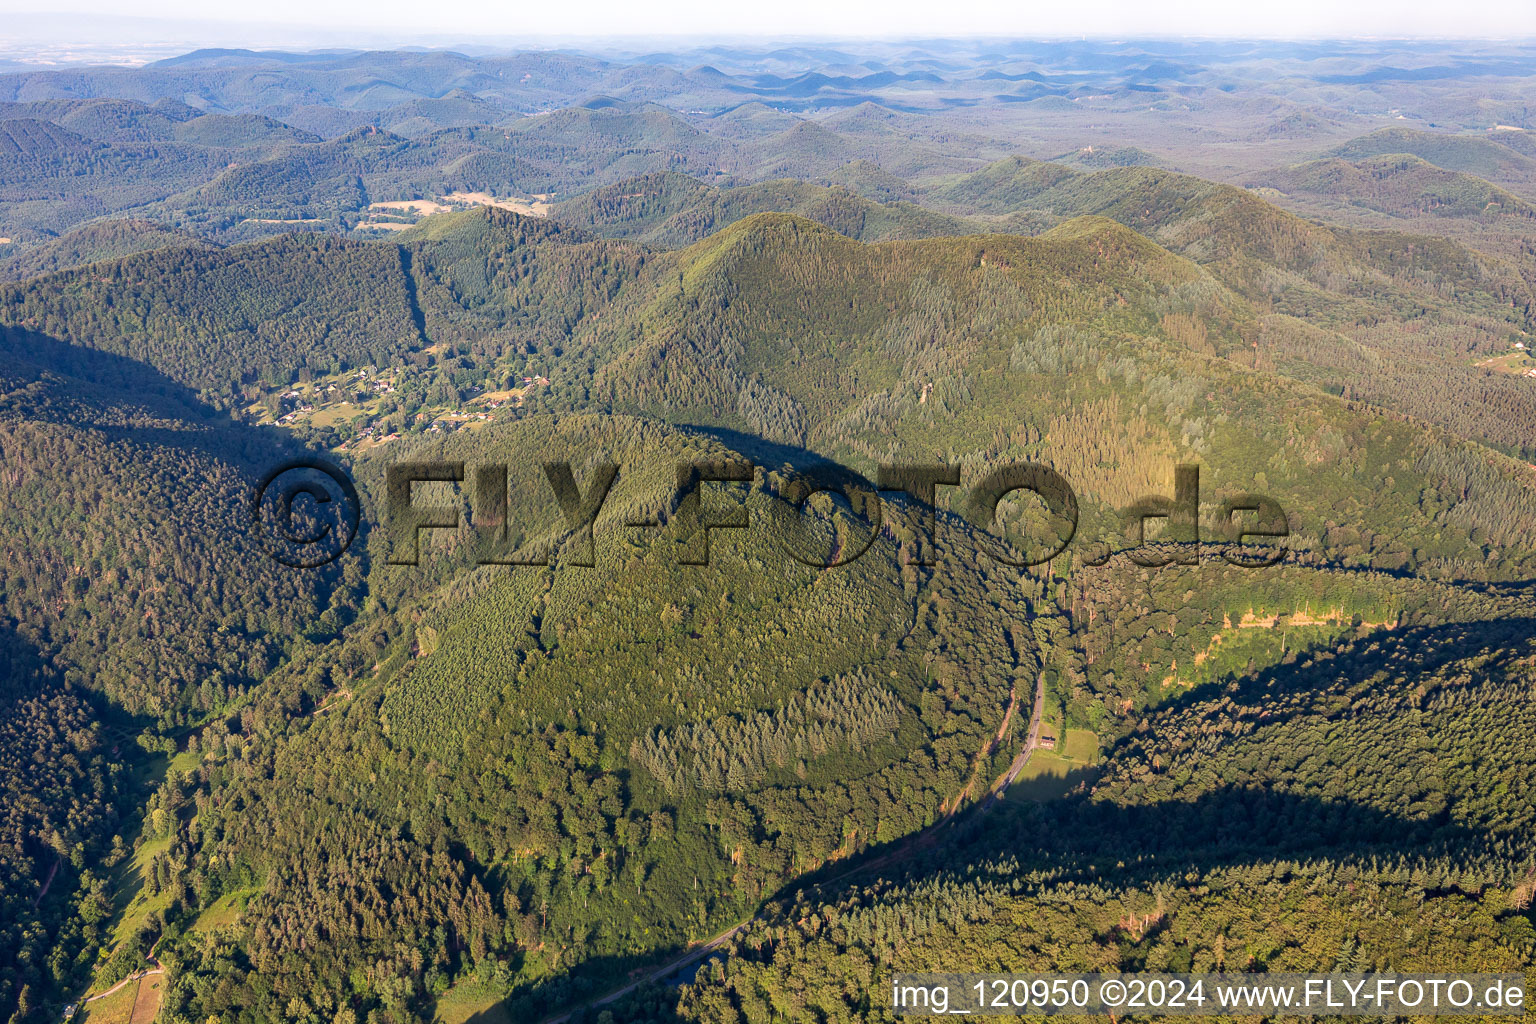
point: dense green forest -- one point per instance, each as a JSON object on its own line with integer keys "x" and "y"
{"x": 673, "y": 210}
{"x": 1352, "y": 810}
{"x": 498, "y": 783}
{"x": 61, "y": 786}
{"x": 135, "y": 602}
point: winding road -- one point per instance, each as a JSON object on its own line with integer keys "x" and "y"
{"x": 157, "y": 969}
{"x": 678, "y": 963}
{"x": 914, "y": 842}
{"x": 1029, "y": 745}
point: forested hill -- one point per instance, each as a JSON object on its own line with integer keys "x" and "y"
{"x": 94, "y": 243}
{"x": 136, "y": 602}
{"x": 505, "y": 771}
{"x": 1402, "y": 185}
{"x": 673, "y": 210}
{"x": 1408, "y": 321}
{"x": 790, "y": 331}
{"x": 131, "y": 565}
{"x": 497, "y": 770}
{"x": 214, "y": 320}
{"x": 1396, "y": 318}
{"x": 1485, "y": 157}
{"x": 923, "y": 347}
{"x": 1244, "y": 239}
{"x": 1295, "y": 823}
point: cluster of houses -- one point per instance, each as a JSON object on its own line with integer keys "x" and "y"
{"x": 453, "y": 420}
{"x": 1520, "y": 347}
{"x": 379, "y": 385}
{"x": 295, "y": 406}
{"x": 302, "y": 408}
{"x": 289, "y": 417}
{"x": 371, "y": 433}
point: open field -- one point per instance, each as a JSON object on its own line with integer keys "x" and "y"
{"x": 471, "y": 1002}
{"x": 137, "y": 907}
{"x": 1081, "y": 746}
{"x": 1519, "y": 364}
{"x": 424, "y": 207}
{"x": 116, "y": 1008}
{"x": 136, "y": 1002}
{"x": 1053, "y": 773}
{"x": 1047, "y": 776}
{"x": 535, "y": 207}
{"x": 418, "y": 209}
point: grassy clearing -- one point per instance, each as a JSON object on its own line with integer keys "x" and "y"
{"x": 334, "y": 415}
{"x": 423, "y": 207}
{"x": 185, "y": 761}
{"x": 1081, "y": 746}
{"x": 1054, "y": 773}
{"x": 1047, "y": 776}
{"x": 128, "y": 887}
{"x": 131, "y": 907}
{"x": 137, "y": 1002}
{"x": 529, "y": 208}
{"x": 224, "y": 911}
{"x": 116, "y": 1008}
{"x": 471, "y": 1001}
{"x": 1518, "y": 363}
{"x": 146, "y": 1005}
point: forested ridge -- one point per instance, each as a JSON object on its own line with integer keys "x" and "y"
{"x": 1274, "y": 826}
{"x": 270, "y": 308}
{"x": 135, "y": 602}
{"x": 672, "y": 210}
{"x": 364, "y": 793}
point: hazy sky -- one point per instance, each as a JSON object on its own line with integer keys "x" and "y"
{"x": 1504, "y": 19}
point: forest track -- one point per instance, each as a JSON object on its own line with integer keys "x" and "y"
{"x": 47, "y": 882}
{"x": 917, "y": 841}
{"x": 140, "y": 976}
{"x": 677, "y": 963}
{"x": 1029, "y": 745}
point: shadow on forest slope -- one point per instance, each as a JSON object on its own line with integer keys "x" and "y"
{"x": 1080, "y": 839}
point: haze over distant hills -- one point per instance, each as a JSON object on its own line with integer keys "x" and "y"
{"x": 232, "y": 143}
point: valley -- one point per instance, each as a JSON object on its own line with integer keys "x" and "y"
{"x": 540, "y": 777}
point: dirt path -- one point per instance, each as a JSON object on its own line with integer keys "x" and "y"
{"x": 331, "y": 701}
{"x": 672, "y": 966}
{"x": 922, "y": 840}
{"x": 1013, "y": 704}
{"x": 950, "y": 810}
{"x": 1029, "y": 744}
{"x": 47, "y": 882}
{"x": 157, "y": 969}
